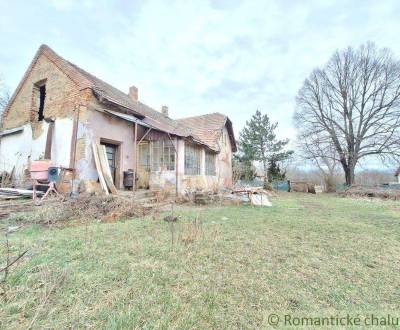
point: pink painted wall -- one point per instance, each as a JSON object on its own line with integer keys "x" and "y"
{"x": 96, "y": 127}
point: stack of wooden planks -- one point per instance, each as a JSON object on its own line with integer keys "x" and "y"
{"x": 103, "y": 169}
{"x": 12, "y": 193}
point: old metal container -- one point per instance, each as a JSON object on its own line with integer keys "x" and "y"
{"x": 40, "y": 169}
{"x": 128, "y": 178}
{"x": 53, "y": 174}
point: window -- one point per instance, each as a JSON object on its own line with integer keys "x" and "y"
{"x": 169, "y": 155}
{"x": 192, "y": 159}
{"x": 163, "y": 155}
{"x": 40, "y": 101}
{"x": 210, "y": 163}
{"x": 144, "y": 156}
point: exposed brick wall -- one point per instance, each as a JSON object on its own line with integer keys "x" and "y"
{"x": 62, "y": 95}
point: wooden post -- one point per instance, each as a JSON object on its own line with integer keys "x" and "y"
{"x": 176, "y": 163}
{"x": 49, "y": 140}
{"x": 136, "y": 157}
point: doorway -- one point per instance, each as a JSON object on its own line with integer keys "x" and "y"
{"x": 111, "y": 152}
{"x": 143, "y": 175}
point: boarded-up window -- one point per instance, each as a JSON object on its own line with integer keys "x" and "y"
{"x": 210, "y": 163}
{"x": 163, "y": 155}
{"x": 192, "y": 159}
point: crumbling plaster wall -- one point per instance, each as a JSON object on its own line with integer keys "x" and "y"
{"x": 17, "y": 150}
{"x": 164, "y": 179}
{"x": 94, "y": 127}
{"x": 223, "y": 177}
{"x": 62, "y": 96}
{"x": 224, "y": 161}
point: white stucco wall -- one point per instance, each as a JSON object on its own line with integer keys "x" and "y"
{"x": 20, "y": 148}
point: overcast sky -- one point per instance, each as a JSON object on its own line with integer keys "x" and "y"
{"x": 197, "y": 57}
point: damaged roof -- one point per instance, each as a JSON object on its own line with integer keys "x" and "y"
{"x": 208, "y": 128}
{"x": 204, "y": 129}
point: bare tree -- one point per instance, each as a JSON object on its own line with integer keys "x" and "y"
{"x": 4, "y": 98}
{"x": 352, "y": 104}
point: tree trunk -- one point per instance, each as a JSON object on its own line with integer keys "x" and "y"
{"x": 349, "y": 174}
{"x": 265, "y": 167}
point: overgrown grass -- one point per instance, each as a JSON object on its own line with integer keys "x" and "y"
{"x": 307, "y": 255}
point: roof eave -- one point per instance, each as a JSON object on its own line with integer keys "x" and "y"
{"x": 231, "y": 134}
{"x": 109, "y": 101}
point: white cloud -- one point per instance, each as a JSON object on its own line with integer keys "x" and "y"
{"x": 197, "y": 56}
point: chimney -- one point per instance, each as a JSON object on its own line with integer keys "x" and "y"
{"x": 134, "y": 93}
{"x": 164, "y": 110}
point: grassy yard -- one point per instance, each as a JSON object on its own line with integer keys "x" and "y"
{"x": 307, "y": 255}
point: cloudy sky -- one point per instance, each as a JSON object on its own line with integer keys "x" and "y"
{"x": 229, "y": 56}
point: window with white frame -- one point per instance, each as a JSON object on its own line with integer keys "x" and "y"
{"x": 163, "y": 155}
{"x": 192, "y": 159}
{"x": 210, "y": 163}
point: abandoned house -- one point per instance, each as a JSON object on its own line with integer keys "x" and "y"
{"x": 59, "y": 110}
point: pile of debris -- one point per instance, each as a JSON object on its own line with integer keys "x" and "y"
{"x": 246, "y": 195}
{"x": 257, "y": 196}
{"x": 205, "y": 197}
{"x": 103, "y": 208}
{"x": 389, "y": 192}
{"x": 300, "y": 186}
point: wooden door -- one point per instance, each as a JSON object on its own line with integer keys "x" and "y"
{"x": 143, "y": 174}
{"x": 111, "y": 151}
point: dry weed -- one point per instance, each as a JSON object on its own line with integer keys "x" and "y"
{"x": 191, "y": 231}
{"x": 103, "y": 208}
